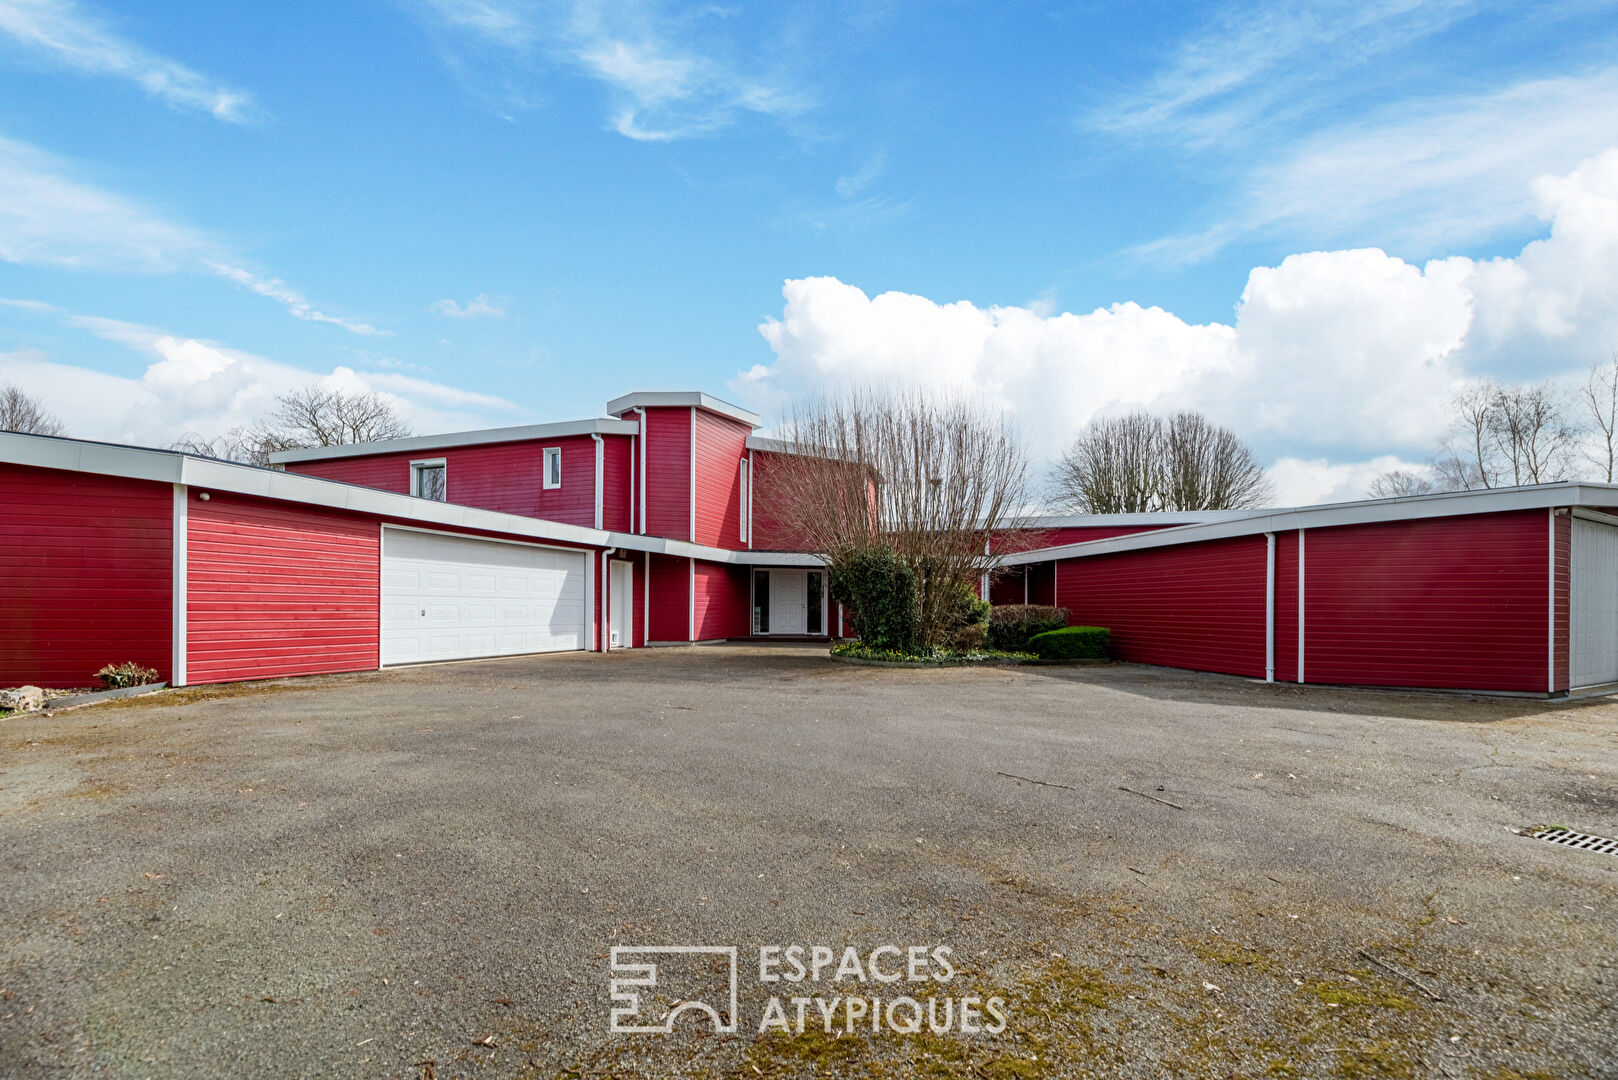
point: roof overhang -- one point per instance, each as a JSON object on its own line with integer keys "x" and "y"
{"x": 1364, "y": 512}
{"x": 449, "y": 440}
{"x": 652, "y": 399}
{"x": 173, "y": 467}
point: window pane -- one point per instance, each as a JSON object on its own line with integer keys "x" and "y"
{"x": 814, "y": 602}
{"x": 430, "y": 482}
{"x": 761, "y": 601}
{"x": 553, "y": 468}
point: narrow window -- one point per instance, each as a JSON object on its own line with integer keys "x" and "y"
{"x": 761, "y": 601}
{"x": 427, "y": 480}
{"x": 743, "y": 487}
{"x": 553, "y": 467}
{"x": 814, "y": 602}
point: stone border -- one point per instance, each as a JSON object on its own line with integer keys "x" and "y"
{"x": 94, "y": 696}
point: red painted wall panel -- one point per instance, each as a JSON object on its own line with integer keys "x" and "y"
{"x": 1007, "y": 587}
{"x": 768, "y": 533}
{"x": 1042, "y": 583}
{"x": 1446, "y": 602}
{"x": 86, "y": 575}
{"x": 278, "y": 589}
{"x": 668, "y": 474}
{"x": 670, "y": 612}
{"x": 1564, "y": 565}
{"x": 617, "y": 468}
{"x": 1195, "y": 606}
{"x": 721, "y": 446}
{"x": 508, "y": 477}
{"x": 1286, "y": 605}
{"x": 721, "y": 601}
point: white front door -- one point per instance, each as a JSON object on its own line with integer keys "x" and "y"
{"x": 621, "y": 590}
{"x": 447, "y": 597}
{"x": 789, "y": 602}
{"x": 1595, "y": 603}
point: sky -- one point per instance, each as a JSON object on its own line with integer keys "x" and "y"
{"x": 1313, "y": 222}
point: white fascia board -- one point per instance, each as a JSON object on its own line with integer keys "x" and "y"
{"x": 460, "y": 438}
{"x": 647, "y": 399}
{"x": 1365, "y": 512}
{"x": 208, "y": 474}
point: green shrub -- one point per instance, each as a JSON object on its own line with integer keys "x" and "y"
{"x": 128, "y": 673}
{"x": 879, "y": 589}
{"x": 970, "y": 628}
{"x": 1011, "y": 625}
{"x": 1071, "y": 643}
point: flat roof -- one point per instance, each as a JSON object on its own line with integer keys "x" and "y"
{"x": 648, "y": 399}
{"x": 415, "y": 443}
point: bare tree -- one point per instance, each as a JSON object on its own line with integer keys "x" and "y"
{"x": 311, "y": 416}
{"x": 1506, "y": 435}
{"x": 1399, "y": 483}
{"x": 1142, "y": 463}
{"x": 21, "y": 412}
{"x": 1600, "y": 394}
{"x": 930, "y": 478}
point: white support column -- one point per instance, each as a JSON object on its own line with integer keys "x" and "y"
{"x": 1269, "y": 607}
{"x": 177, "y": 618}
{"x": 1300, "y": 606}
{"x": 600, "y": 474}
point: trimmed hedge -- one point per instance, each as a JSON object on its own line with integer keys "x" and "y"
{"x": 879, "y": 589}
{"x": 1071, "y": 643}
{"x": 1011, "y": 625}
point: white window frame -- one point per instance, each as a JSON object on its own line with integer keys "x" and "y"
{"x": 746, "y": 488}
{"x": 416, "y": 468}
{"x": 545, "y": 467}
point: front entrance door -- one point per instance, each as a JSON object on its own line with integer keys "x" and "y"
{"x": 620, "y": 612}
{"x": 789, "y": 602}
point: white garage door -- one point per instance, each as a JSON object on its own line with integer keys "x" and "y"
{"x": 1595, "y": 603}
{"x": 454, "y": 598}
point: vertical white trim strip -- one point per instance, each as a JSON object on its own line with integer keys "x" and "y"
{"x": 691, "y": 600}
{"x": 1269, "y": 607}
{"x": 641, "y": 490}
{"x": 381, "y": 553}
{"x": 1550, "y": 605}
{"x": 752, "y": 482}
{"x": 1025, "y": 586}
{"x": 589, "y": 601}
{"x": 600, "y": 473}
{"x": 178, "y": 644}
{"x": 693, "y": 536}
{"x": 1300, "y": 607}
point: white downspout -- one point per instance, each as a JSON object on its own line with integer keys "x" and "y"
{"x": 600, "y": 473}
{"x": 640, "y": 489}
{"x": 1269, "y": 607}
{"x": 181, "y": 562}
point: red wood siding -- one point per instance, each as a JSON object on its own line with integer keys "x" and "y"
{"x": 508, "y": 477}
{"x": 670, "y": 614}
{"x": 641, "y": 565}
{"x": 1444, "y": 602}
{"x": 86, "y": 575}
{"x": 1286, "y": 605}
{"x": 1194, "y": 606}
{"x": 668, "y": 475}
{"x": 279, "y": 589}
{"x": 1042, "y": 583}
{"x": 1564, "y": 564}
{"x": 1007, "y": 587}
{"x": 721, "y": 601}
{"x": 768, "y": 533}
{"x": 617, "y": 468}
{"x": 721, "y": 446}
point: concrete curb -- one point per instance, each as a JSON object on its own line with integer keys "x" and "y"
{"x": 95, "y": 696}
{"x": 859, "y": 661}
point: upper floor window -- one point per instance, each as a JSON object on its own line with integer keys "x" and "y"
{"x": 553, "y": 466}
{"x": 428, "y": 480}
{"x": 742, "y": 487}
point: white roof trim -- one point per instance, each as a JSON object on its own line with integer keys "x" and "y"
{"x": 647, "y": 399}
{"x": 1364, "y": 512}
{"x": 207, "y": 474}
{"x": 460, "y": 438}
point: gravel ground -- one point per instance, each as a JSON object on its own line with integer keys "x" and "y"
{"x": 420, "y": 873}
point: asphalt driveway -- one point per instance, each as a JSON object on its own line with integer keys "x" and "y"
{"x": 422, "y": 872}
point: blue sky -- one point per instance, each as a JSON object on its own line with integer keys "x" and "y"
{"x": 503, "y": 211}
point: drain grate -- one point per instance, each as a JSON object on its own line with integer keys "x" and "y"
{"x": 1582, "y": 841}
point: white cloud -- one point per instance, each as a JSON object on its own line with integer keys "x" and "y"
{"x": 1300, "y": 483}
{"x": 1334, "y": 358}
{"x": 480, "y": 306}
{"x": 50, "y": 218}
{"x": 664, "y": 72}
{"x": 194, "y": 385}
{"x": 59, "y": 32}
{"x": 862, "y": 178}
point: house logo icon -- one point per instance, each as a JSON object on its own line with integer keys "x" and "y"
{"x": 635, "y": 987}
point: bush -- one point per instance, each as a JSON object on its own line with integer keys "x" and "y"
{"x": 1011, "y": 625}
{"x": 880, "y": 589}
{"x": 1071, "y": 643}
{"x": 128, "y": 673}
{"x": 971, "y": 622}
